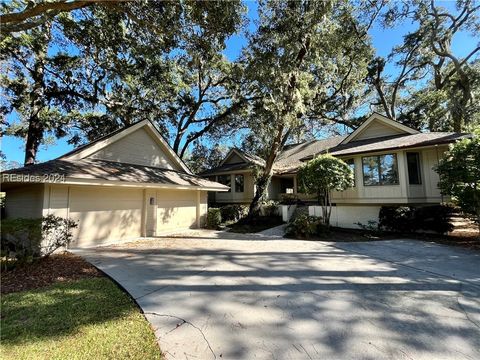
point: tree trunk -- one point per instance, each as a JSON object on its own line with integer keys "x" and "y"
{"x": 37, "y": 96}
{"x": 260, "y": 193}
{"x": 264, "y": 180}
{"x": 326, "y": 208}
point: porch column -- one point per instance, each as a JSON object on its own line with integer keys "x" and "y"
{"x": 295, "y": 184}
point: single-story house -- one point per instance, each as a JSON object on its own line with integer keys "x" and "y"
{"x": 125, "y": 185}
{"x": 393, "y": 164}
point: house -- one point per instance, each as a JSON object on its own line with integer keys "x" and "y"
{"x": 392, "y": 163}
{"x": 125, "y": 185}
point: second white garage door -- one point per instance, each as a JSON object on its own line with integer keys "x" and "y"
{"x": 176, "y": 209}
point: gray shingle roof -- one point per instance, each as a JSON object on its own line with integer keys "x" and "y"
{"x": 293, "y": 156}
{"x": 227, "y": 167}
{"x": 394, "y": 143}
{"x": 290, "y": 158}
{"x": 93, "y": 169}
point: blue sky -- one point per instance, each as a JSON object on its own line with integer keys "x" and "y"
{"x": 383, "y": 41}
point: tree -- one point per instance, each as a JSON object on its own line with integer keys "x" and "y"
{"x": 302, "y": 62}
{"x": 321, "y": 176}
{"x": 27, "y": 15}
{"x": 104, "y": 71}
{"x": 204, "y": 157}
{"x": 459, "y": 172}
{"x": 432, "y": 81}
{"x": 25, "y": 85}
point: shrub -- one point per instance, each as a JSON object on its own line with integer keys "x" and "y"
{"x": 21, "y": 239}
{"x": 56, "y": 233}
{"x": 305, "y": 226}
{"x": 396, "y": 218}
{"x": 214, "y": 218}
{"x": 370, "y": 226}
{"x": 233, "y": 212}
{"x": 288, "y": 199}
{"x": 270, "y": 208}
{"x": 24, "y": 240}
{"x": 299, "y": 211}
{"x": 434, "y": 218}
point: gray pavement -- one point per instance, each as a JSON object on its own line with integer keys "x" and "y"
{"x": 215, "y": 295}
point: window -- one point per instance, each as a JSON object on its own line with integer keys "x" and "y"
{"x": 239, "y": 183}
{"x": 225, "y": 180}
{"x": 413, "y": 164}
{"x": 380, "y": 170}
{"x": 286, "y": 185}
{"x": 351, "y": 165}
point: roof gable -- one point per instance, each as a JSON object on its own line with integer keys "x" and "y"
{"x": 139, "y": 144}
{"x": 377, "y": 126}
{"x": 234, "y": 156}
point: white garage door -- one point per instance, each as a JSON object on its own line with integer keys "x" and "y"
{"x": 176, "y": 210}
{"x": 105, "y": 214}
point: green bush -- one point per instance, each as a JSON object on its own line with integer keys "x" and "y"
{"x": 305, "y": 226}
{"x": 21, "y": 239}
{"x": 299, "y": 211}
{"x": 434, "y": 218}
{"x": 214, "y": 218}
{"x": 233, "y": 212}
{"x": 270, "y": 208}
{"x": 24, "y": 240}
{"x": 288, "y": 199}
{"x": 459, "y": 173}
{"x": 396, "y": 218}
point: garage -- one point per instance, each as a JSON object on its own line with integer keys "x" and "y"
{"x": 105, "y": 215}
{"x": 126, "y": 185}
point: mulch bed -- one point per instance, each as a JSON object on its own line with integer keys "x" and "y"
{"x": 47, "y": 271}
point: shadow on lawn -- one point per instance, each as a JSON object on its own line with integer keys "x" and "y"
{"x": 61, "y": 310}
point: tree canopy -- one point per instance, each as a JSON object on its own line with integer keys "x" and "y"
{"x": 88, "y": 72}
{"x": 81, "y": 69}
{"x": 434, "y": 87}
{"x": 459, "y": 172}
{"x": 304, "y": 64}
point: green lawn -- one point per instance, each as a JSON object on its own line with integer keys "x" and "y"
{"x": 83, "y": 319}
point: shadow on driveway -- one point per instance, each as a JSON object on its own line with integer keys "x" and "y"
{"x": 220, "y": 296}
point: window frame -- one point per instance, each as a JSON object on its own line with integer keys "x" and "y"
{"x": 354, "y": 168}
{"x": 229, "y": 184}
{"x": 419, "y": 167}
{"x": 243, "y": 183}
{"x": 379, "y": 170}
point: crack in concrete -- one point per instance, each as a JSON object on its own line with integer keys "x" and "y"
{"x": 306, "y": 352}
{"x": 463, "y": 309}
{"x": 185, "y": 322}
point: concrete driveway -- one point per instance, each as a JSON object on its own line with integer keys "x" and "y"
{"x": 212, "y": 295}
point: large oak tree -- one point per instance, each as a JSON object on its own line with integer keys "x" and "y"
{"x": 305, "y": 61}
